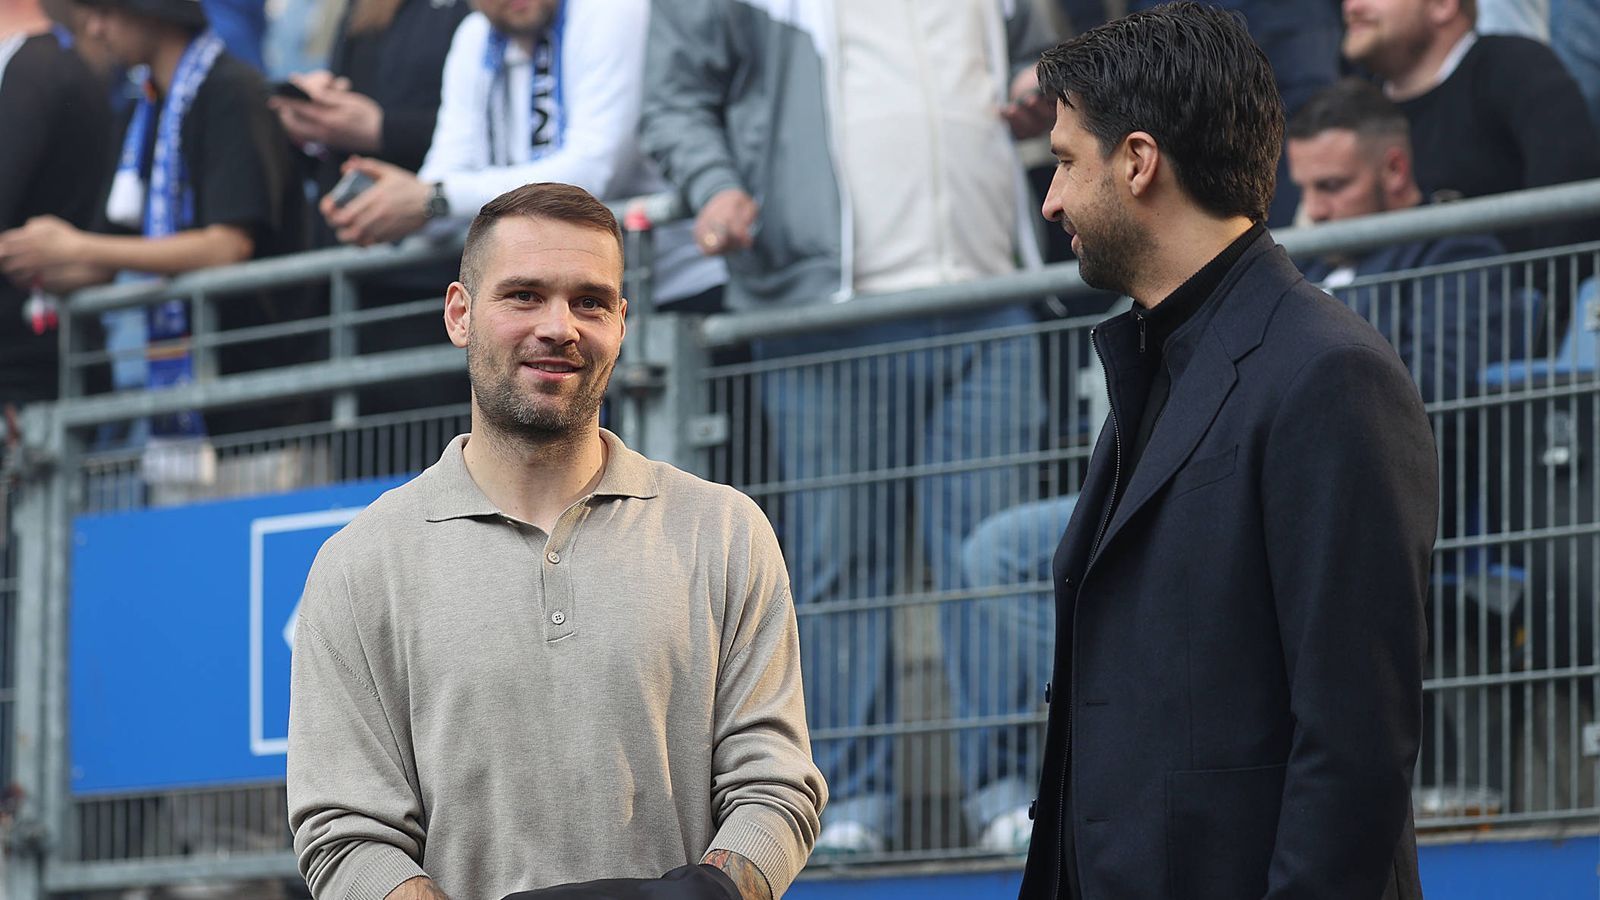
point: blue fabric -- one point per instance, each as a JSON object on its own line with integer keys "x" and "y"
{"x": 168, "y": 208}
{"x": 1575, "y": 37}
{"x": 1001, "y": 650}
{"x": 242, "y": 25}
{"x": 967, "y": 401}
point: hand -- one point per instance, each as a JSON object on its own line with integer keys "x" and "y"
{"x": 752, "y": 884}
{"x": 44, "y": 243}
{"x": 389, "y": 210}
{"x": 1030, "y": 112}
{"x": 335, "y": 116}
{"x": 726, "y": 223}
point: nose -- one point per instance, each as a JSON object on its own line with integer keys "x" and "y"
{"x": 1317, "y": 207}
{"x": 556, "y": 324}
{"x": 1052, "y": 208}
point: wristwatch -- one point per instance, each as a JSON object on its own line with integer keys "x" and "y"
{"x": 437, "y": 206}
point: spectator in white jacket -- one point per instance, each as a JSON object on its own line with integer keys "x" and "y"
{"x": 533, "y": 91}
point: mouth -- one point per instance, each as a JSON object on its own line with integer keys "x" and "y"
{"x": 552, "y": 370}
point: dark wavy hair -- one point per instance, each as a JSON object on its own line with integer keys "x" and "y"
{"x": 1190, "y": 76}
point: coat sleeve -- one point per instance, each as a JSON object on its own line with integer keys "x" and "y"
{"x": 766, "y": 791}
{"x": 1350, "y": 495}
{"x": 353, "y": 807}
{"x": 689, "y": 66}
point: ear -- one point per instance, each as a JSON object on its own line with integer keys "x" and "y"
{"x": 1395, "y": 170}
{"x": 457, "y": 313}
{"x": 623, "y": 310}
{"x": 1441, "y": 12}
{"x": 1141, "y": 162}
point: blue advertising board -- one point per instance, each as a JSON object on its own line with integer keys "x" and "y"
{"x": 182, "y": 626}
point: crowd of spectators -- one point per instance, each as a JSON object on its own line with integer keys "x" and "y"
{"x": 828, "y": 149}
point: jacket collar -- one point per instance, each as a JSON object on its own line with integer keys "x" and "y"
{"x": 1211, "y": 345}
{"x": 450, "y": 493}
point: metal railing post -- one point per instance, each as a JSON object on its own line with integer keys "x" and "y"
{"x": 342, "y": 340}
{"x": 35, "y": 831}
{"x": 673, "y": 364}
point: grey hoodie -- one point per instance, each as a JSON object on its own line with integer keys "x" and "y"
{"x": 739, "y": 93}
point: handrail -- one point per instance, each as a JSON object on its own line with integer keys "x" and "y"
{"x": 317, "y": 265}
{"x": 1484, "y": 214}
{"x": 1478, "y": 215}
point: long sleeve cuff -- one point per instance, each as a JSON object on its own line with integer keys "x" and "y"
{"x": 369, "y": 871}
{"x": 765, "y": 837}
{"x": 709, "y": 182}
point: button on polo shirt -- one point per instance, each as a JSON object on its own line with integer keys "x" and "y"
{"x": 562, "y": 562}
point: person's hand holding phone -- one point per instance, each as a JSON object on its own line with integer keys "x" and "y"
{"x": 1030, "y": 112}
{"x": 319, "y": 108}
{"x": 392, "y": 206}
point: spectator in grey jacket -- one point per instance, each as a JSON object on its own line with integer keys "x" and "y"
{"x": 833, "y": 150}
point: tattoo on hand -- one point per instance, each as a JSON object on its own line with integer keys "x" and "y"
{"x": 751, "y": 883}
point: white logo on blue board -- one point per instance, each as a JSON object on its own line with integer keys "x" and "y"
{"x": 281, "y": 552}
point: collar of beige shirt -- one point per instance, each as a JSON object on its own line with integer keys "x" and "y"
{"x": 450, "y": 492}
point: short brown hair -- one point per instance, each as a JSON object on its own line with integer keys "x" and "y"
{"x": 541, "y": 200}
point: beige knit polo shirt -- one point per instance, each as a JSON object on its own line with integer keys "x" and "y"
{"x": 503, "y": 710}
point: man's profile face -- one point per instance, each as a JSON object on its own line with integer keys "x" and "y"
{"x": 1386, "y": 36}
{"x": 125, "y": 37}
{"x": 1339, "y": 175}
{"x": 1083, "y": 199}
{"x": 545, "y": 325}
{"x": 519, "y": 18}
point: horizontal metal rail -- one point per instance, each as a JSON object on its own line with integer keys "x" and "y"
{"x": 1478, "y": 215}
{"x": 317, "y": 265}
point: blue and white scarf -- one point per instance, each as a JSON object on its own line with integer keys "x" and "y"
{"x": 548, "y": 110}
{"x": 162, "y": 208}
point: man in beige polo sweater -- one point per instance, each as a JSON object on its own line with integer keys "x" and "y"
{"x": 548, "y": 660}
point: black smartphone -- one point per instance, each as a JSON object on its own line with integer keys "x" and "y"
{"x": 350, "y": 187}
{"x": 289, "y": 90}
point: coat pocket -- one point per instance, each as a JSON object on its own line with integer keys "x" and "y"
{"x": 1203, "y": 471}
{"x": 1221, "y": 827}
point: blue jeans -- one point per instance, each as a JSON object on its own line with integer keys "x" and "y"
{"x": 849, "y": 540}
{"x": 1001, "y": 650}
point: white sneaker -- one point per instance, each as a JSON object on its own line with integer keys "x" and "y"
{"x": 1008, "y": 833}
{"x": 847, "y": 838}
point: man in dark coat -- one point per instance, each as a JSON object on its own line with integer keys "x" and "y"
{"x": 1239, "y": 644}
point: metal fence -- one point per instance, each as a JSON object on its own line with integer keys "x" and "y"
{"x": 918, "y": 454}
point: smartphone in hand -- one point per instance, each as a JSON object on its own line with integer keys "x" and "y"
{"x": 289, "y": 91}
{"x": 350, "y": 187}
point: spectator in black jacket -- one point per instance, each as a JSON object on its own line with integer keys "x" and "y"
{"x": 1488, "y": 113}
{"x": 58, "y": 126}
{"x": 381, "y": 97}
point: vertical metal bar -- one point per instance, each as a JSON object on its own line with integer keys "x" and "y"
{"x": 343, "y": 341}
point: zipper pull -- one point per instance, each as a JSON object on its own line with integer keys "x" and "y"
{"x": 1141, "y": 334}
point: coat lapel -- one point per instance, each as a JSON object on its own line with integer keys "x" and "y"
{"x": 1192, "y": 406}
{"x": 1252, "y": 293}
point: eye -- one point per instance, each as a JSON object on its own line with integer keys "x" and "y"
{"x": 591, "y": 303}
{"x": 523, "y": 296}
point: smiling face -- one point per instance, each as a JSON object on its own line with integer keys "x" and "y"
{"x": 1386, "y": 36}
{"x": 542, "y": 325}
{"x": 1083, "y": 199}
